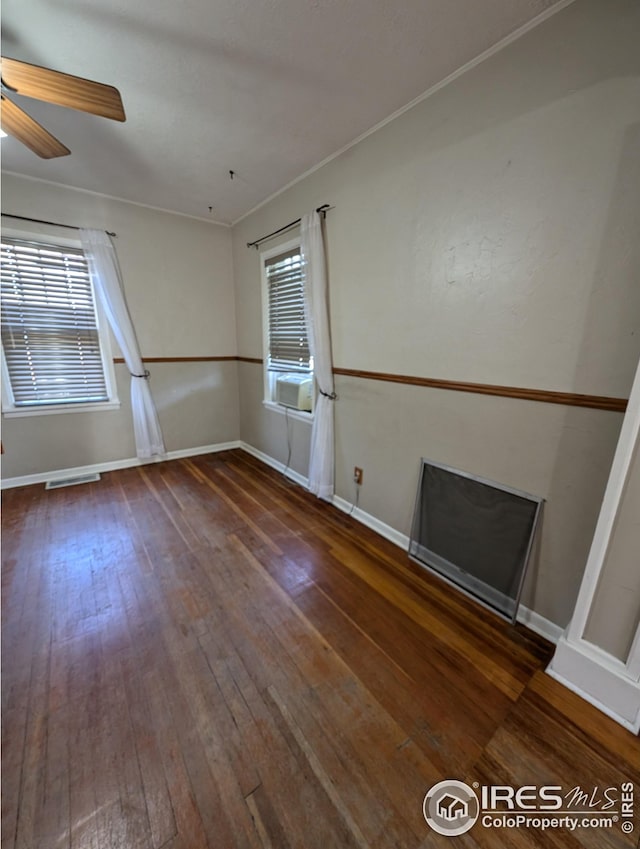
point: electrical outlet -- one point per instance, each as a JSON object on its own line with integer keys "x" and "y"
{"x": 357, "y": 475}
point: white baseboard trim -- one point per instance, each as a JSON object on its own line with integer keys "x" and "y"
{"x": 529, "y": 618}
{"x": 540, "y": 624}
{"x": 296, "y": 477}
{"x": 386, "y": 531}
{"x": 113, "y": 465}
{"x": 598, "y": 678}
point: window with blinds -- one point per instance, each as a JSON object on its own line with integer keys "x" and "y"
{"x": 50, "y": 336}
{"x": 288, "y": 342}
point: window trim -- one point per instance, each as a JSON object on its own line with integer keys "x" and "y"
{"x": 9, "y": 408}
{"x": 269, "y": 377}
{"x": 291, "y": 412}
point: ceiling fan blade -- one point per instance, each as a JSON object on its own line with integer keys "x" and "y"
{"x": 16, "y": 123}
{"x": 62, "y": 89}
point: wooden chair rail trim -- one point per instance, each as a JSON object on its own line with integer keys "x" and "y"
{"x": 182, "y": 359}
{"x": 223, "y": 359}
{"x": 569, "y": 399}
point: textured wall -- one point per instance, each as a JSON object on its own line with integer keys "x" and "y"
{"x": 179, "y": 284}
{"x": 488, "y": 235}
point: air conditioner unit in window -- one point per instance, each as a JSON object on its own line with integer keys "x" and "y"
{"x": 295, "y": 390}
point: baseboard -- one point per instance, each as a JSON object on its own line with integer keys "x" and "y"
{"x": 529, "y": 618}
{"x": 202, "y": 449}
{"x": 113, "y": 465}
{"x": 275, "y": 464}
{"x": 386, "y": 531}
{"x": 598, "y": 678}
{"x": 540, "y": 624}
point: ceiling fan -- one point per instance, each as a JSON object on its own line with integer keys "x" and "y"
{"x": 52, "y": 87}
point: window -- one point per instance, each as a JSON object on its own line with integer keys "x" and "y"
{"x": 287, "y": 356}
{"x": 54, "y": 357}
{"x": 288, "y": 343}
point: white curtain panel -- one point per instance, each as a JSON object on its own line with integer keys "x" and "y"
{"x": 107, "y": 282}
{"x": 321, "y": 460}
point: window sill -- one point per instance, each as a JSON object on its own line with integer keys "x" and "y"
{"x": 290, "y": 412}
{"x": 57, "y": 409}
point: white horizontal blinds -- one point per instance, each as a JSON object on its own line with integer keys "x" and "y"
{"x": 288, "y": 342}
{"x": 49, "y": 333}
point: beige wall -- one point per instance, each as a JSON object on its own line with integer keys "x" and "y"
{"x": 615, "y": 613}
{"x": 178, "y": 277}
{"x": 488, "y": 235}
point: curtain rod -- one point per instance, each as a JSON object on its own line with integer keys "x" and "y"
{"x": 322, "y": 209}
{"x": 51, "y": 223}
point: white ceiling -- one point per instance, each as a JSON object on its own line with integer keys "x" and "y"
{"x": 267, "y": 88}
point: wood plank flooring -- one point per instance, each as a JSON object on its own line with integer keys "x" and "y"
{"x": 200, "y": 654}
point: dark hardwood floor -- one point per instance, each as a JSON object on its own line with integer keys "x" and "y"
{"x": 200, "y": 654}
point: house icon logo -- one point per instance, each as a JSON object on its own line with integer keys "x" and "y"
{"x": 451, "y": 807}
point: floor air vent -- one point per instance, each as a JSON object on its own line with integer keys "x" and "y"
{"x": 72, "y": 481}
